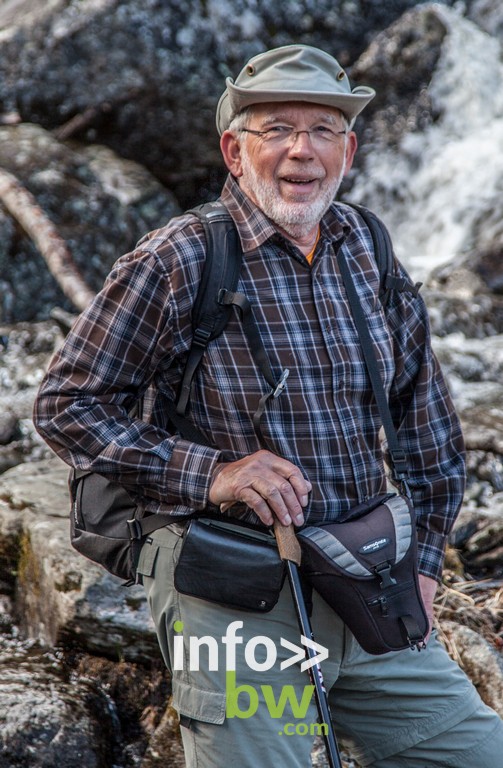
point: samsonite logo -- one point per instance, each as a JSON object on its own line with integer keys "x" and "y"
{"x": 374, "y": 546}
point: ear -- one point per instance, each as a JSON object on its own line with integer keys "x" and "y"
{"x": 351, "y": 147}
{"x": 231, "y": 152}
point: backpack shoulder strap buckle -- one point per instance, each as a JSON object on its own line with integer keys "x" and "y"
{"x": 281, "y": 385}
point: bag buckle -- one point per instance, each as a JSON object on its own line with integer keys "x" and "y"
{"x": 384, "y": 572}
{"x": 414, "y": 636}
{"x": 135, "y": 530}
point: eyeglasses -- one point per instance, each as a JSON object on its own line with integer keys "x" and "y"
{"x": 283, "y": 135}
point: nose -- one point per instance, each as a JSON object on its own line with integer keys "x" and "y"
{"x": 301, "y": 143}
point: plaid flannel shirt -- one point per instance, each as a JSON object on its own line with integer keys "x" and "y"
{"x": 137, "y": 332}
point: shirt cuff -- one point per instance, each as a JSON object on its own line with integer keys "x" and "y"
{"x": 431, "y": 553}
{"x": 190, "y": 472}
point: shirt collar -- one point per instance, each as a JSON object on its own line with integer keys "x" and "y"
{"x": 255, "y": 228}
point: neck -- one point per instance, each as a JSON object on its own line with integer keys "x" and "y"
{"x": 304, "y": 240}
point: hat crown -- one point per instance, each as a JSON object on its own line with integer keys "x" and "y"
{"x": 293, "y": 67}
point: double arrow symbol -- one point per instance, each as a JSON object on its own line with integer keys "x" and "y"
{"x": 300, "y": 653}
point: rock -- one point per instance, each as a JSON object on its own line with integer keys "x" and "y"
{"x": 87, "y": 683}
{"x": 62, "y": 709}
{"x": 8, "y": 427}
{"x": 60, "y": 596}
{"x": 472, "y": 359}
{"x": 460, "y": 302}
{"x": 100, "y": 205}
{"x": 478, "y": 534}
{"x": 25, "y": 350}
{"x": 436, "y": 127}
{"x": 47, "y": 720}
{"x": 165, "y": 746}
{"x": 399, "y": 64}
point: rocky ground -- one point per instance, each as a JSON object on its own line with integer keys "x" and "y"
{"x": 105, "y": 110}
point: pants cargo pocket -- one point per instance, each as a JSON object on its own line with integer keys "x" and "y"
{"x": 154, "y": 565}
{"x": 148, "y": 556}
{"x": 202, "y": 726}
{"x": 198, "y": 704}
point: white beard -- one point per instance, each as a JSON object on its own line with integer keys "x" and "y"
{"x": 296, "y": 219}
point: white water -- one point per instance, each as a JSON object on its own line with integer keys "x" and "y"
{"x": 436, "y": 188}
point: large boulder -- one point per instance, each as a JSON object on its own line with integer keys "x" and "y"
{"x": 81, "y": 676}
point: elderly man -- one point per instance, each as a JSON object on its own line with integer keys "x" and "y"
{"x": 287, "y": 140}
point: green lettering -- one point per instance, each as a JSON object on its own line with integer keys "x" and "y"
{"x": 318, "y": 729}
{"x": 232, "y": 698}
{"x": 288, "y": 695}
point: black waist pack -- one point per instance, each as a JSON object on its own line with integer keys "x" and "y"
{"x": 230, "y": 563}
{"x": 364, "y": 566}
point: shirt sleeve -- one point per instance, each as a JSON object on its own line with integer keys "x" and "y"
{"x": 106, "y": 363}
{"x": 429, "y": 430}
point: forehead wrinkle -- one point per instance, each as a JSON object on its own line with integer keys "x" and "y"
{"x": 330, "y": 118}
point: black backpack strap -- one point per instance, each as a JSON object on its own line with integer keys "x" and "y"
{"x": 220, "y": 273}
{"x": 383, "y": 250}
{"x": 214, "y": 303}
{"x": 397, "y": 454}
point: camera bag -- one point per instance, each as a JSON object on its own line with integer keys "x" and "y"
{"x": 364, "y": 566}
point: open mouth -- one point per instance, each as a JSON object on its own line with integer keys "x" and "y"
{"x": 301, "y": 182}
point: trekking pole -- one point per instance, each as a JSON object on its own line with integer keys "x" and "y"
{"x": 290, "y": 553}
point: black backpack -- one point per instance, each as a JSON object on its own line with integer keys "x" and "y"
{"x": 107, "y": 526}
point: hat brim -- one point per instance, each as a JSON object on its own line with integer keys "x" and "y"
{"x": 235, "y": 99}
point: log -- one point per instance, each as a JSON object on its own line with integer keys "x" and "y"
{"x": 23, "y": 207}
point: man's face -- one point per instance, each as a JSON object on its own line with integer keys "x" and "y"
{"x": 293, "y": 178}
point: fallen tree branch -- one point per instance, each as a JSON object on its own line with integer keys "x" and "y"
{"x": 81, "y": 122}
{"x": 23, "y": 207}
{"x": 92, "y": 114}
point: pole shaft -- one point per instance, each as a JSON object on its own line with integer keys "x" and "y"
{"x": 315, "y": 673}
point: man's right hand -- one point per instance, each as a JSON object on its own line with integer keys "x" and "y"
{"x": 271, "y": 486}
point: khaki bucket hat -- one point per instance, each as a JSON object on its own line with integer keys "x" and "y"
{"x": 291, "y": 73}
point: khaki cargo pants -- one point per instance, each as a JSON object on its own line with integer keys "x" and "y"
{"x": 238, "y": 707}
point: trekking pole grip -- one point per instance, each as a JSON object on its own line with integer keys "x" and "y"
{"x": 288, "y": 544}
